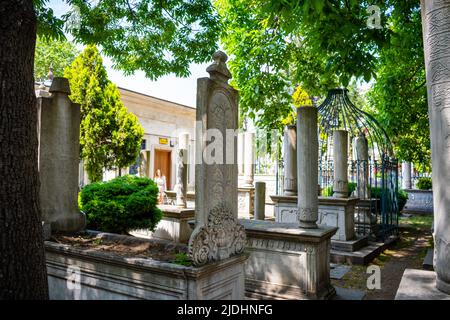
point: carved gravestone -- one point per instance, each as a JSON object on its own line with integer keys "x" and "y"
{"x": 217, "y": 234}
{"x": 436, "y": 36}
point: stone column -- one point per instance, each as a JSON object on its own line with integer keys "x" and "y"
{"x": 249, "y": 159}
{"x": 436, "y": 39}
{"x": 260, "y": 200}
{"x": 217, "y": 234}
{"x": 307, "y": 166}
{"x": 290, "y": 161}
{"x": 406, "y": 175}
{"x": 340, "y": 161}
{"x": 59, "y": 149}
{"x": 182, "y": 163}
{"x": 240, "y": 153}
{"x": 362, "y": 158}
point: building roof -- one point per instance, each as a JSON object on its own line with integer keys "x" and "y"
{"x": 37, "y": 84}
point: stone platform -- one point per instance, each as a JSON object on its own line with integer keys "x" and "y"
{"x": 419, "y": 285}
{"x": 287, "y": 262}
{"x": 349, "y": 245}
{"x": 362, "y": 256}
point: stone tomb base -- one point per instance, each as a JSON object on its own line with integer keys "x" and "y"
{"x": 287, "y": 262}
{"x": 104, "y": 276}
{"x": 346, "y": 246}
{"x": 419, "y": 285}
{"x": 173, "y": 226}
{"x": 335, "y": 212}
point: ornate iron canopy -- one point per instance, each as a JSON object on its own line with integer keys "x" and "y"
{"x": 338, "y": 112}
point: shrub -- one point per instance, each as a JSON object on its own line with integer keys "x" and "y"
{"x": 328, "y": 191}
{"x": 402, "y": 196}
{"x": 374, "y": 193}
{"x": 121, "y": 204}
{"x": 424, "y": 183}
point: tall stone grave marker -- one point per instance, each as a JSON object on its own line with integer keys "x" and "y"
{"x": 59, "y": 148}
{"x": 217, "y": 234}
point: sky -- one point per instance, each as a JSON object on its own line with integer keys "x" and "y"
{"x": 180, "y": 90}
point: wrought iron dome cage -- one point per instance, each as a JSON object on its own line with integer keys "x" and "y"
{"x": 337, "y": 112}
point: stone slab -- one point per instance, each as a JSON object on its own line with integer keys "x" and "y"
{"x": 104, "y": 276}
{"x": 348, "y": 294}
{"x": 338, "y": 271}
{"x": 419, "y": 202}
{"x": 173, "y": 226}
{"x": 287, "y": 230}
{"x": 428, "y": 261}
{"x": 419, "y": 285}
{"x": 362, "y": 256}
{"x": 350, "y": 245}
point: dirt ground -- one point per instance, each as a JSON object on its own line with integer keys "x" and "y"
{"x": 125, "y": 247}
{"x": 408, "y": 252}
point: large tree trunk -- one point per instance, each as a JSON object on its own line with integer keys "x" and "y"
{"x": 22, "y": 262}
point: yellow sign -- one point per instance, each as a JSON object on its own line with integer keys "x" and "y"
{"x": 163, "y": 141}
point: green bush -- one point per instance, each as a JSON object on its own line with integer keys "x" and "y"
{"x": 402, "y": 196}
{"x": 374, "y": 193}
{"x": 424, "y": 183}
{"x": 121, "y": 204}
{"x": 328, "y": 191}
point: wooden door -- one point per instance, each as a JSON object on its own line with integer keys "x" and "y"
{"x": 164, "y": 163}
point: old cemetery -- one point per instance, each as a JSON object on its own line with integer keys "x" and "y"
{"x": 311, "y": 164}
{"x": 219, "y": 242}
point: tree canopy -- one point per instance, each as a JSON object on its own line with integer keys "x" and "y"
{"x": 276, "y": 46}
{"x": 55, "y": 53}
{"x": 157, "y": 37}
{"x": 110, "y": 136}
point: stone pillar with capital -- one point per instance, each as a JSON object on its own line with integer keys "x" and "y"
{"x": 406, "y": 175}
{"x": 307, "y": 167}
{"x": 340, "y": 161}
{"x": 362, "y": 159}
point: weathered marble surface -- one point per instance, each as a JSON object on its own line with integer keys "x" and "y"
{"x": 217, "y": 234}
{"x": 340, "y": 160}
{"x": 59, "y": 150}
{"x": 307, "y": 166}
{"x": 419, "y": 201}
{"x": 106, "y": 277}
{"x": 334, "y": 212}
{"x": 173, "y": 226}
{"x": 436, "y": 38}
{"x": 246, "y": 202}
{"x": 419, "y": 285}
{"x": 287, "y": 262}
{"x": 290, "y": 161}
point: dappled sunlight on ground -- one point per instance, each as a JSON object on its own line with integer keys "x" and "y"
{"x": 408, "y": 252}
